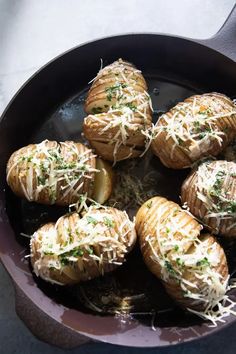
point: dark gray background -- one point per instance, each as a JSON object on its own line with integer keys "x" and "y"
{"x": 31, "y": 33}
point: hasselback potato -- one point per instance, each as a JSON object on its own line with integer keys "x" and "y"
{"x": 200, "y": 126}
{"x": 58, "y": 173}
{"x": 77, "y": 249}
{"x": 120, "y": 112}
{"x": 192, "y": 267}
{"x": 210, "y": 194}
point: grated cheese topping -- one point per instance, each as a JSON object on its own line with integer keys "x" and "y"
{"x": 45, "y": 169}
{"x": 189, "y": 260}
{"x": 193, "y": 126}
{"x": 129, "y": 104}
{"x": 215, "y": 189}
{"x": 96, "y": 238}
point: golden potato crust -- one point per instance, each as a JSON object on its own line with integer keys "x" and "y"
{"x": 200, "y": 126}
{"x": 210, "y": 194}
{"x": 119, "y": 111}
{"x": 192, "y": 267}
{"x": 78, "y": 249}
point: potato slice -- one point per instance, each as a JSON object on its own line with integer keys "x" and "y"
{"x": 103, "y": 182}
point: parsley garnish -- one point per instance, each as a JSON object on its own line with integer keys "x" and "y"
{"x": 41, "y": 180}
{"x": 111, "y": 91}
{"x": 169, "y": 268}
{"x": 96, "y": 110}
{"x": 203, "y": 262}
{"x": 108, "y": 222}
{"x": 179, "y": 262}
{"x": 131, "y": 106}
{"x": 91, "y": 220}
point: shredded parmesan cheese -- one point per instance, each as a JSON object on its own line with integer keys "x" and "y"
{"x": 44, "y": 169}
{"x": 95, "y": 240}
{"x": 194, "y": 271}
{"x": 215, "y": 189}
{"x": 192, "y": 124}
{"x": 129, "y": 105}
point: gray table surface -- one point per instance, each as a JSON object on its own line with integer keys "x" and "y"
{"x": 31, "y": 33}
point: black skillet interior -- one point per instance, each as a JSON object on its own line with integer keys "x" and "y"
{"x": 51, "y": 107}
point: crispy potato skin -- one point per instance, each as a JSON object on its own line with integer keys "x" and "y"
{"x": 183, "y": 152}
{"x": 122, "y": 86}
{"x": 86, "y": 267}
{"x": 199, "y": 185}
{"x": 23, "y": 179}
{"x": 149, "y": 220}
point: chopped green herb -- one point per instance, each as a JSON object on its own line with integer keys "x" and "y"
{"x": 175, "y": 212}
{"x": 111, "y": 91}
{"x": 232, "y": 207}
{"x": 108, "y": 222}
{"x": 64, "y": 261}
{"x": 96, "y": 110}
{"x": 179, "y": 262}
{"x": 41, "y": 180}
{"x": 52, "y": 196}
{"x": 131, "y": 106}
{"x": 196, "y": 124}
{"x": 149, "y": 204}
{"x": 216, "y": 189}
{"x": 202, "y": 135}
{"x": 180, "y": 141}
{"x": 48, "y": 253}
{"x": 27, "y": 159}
{"x": 90, "y": 250}
{"x": 203, "y": 262}
{"x": 70, "y": 235}
{"x": 169, "y": 268}
{"x": 42, "y": 168}
{"x": 91, "y": 220}
{"x": 76, "y": 252}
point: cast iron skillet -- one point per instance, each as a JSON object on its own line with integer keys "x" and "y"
{"x": 50, "y": 105}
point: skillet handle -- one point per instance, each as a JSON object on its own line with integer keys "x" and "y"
{"x": 224, "y": 41}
